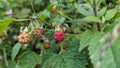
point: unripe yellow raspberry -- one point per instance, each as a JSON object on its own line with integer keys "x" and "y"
{"x": 24, "y": 37}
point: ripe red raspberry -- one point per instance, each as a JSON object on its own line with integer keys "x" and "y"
{"x": 59, "y": 36}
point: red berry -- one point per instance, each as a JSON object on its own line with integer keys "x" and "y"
{"x": 54, "y": 9}
{"x": 59, "y": 36}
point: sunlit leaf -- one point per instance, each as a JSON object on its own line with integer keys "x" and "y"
{"x": 92, "y": 19}
{"x": 102, "y": 12}
{"x": 4, "y": 23}
{"x": 81, "y": 8}
{"x": 111, "y": 13}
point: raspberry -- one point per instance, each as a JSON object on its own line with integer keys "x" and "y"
{"x": 54, "y": 9}
{"x": 46, "y": 44}
{"x": 24, "y": 37}
{"x": 38, "y": 33}
{"x": 59, "y": 36}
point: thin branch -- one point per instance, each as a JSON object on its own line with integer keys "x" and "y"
{"x": 39, "y": 19}
{"x": 64, "y": 15}
{"x": 95, "y": 13}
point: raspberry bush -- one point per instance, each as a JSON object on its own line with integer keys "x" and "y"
{"x": 59, "y": 33}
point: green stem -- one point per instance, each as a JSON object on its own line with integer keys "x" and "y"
{"x": 34, "y": 10}
{"x": 64, "y": 15}
{"x": 5, "y": 57}
{"x": 39, "y": 19}
{"x": 61, "y": 50}
{"x": 41, "y": 53}
{"x": 22, "y": 19}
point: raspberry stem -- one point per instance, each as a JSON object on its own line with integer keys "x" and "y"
{"x": 64, "y": 15}
{"x": 61, "y": 50}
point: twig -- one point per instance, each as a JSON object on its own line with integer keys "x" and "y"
{"x": 61, "y": 50}
{"x": 95, "y": 13}
{"x": 39, "y": 19}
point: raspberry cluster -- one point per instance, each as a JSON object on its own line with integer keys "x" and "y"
{"x": 38, "y": 33}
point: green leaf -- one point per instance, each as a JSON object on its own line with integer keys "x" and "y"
{"x": 29, "y": 59}
{"x": 71, "y": 0}
{"x": 92, "y": 19}
{"x": 111, "y": 13}
{"x": 68, "y": 59}
{"x": 95, "y": 47}
{"x": 109, "y": 27}
{"x": 108, "y": 60}
{"x": 49, "y": 7}
{"x": 15, "y": 50}
{"x": 4, "y": 23}
{"x": 89, "y": 1}
{"x": 24, "y": 13}
{"x": 11, "y": 64}
{"x": 81, "y": 9}
{"x": 99, "y": 2}
{"x": 46, "y": 13}
{"x": 85, "y": 39}
{"x": 37, "y": 2}
{"x": 117, "y": 15}
{"x": 116, "y": 52}
{"x": 102, "y": 12}
{"x": 42, "y": 17}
